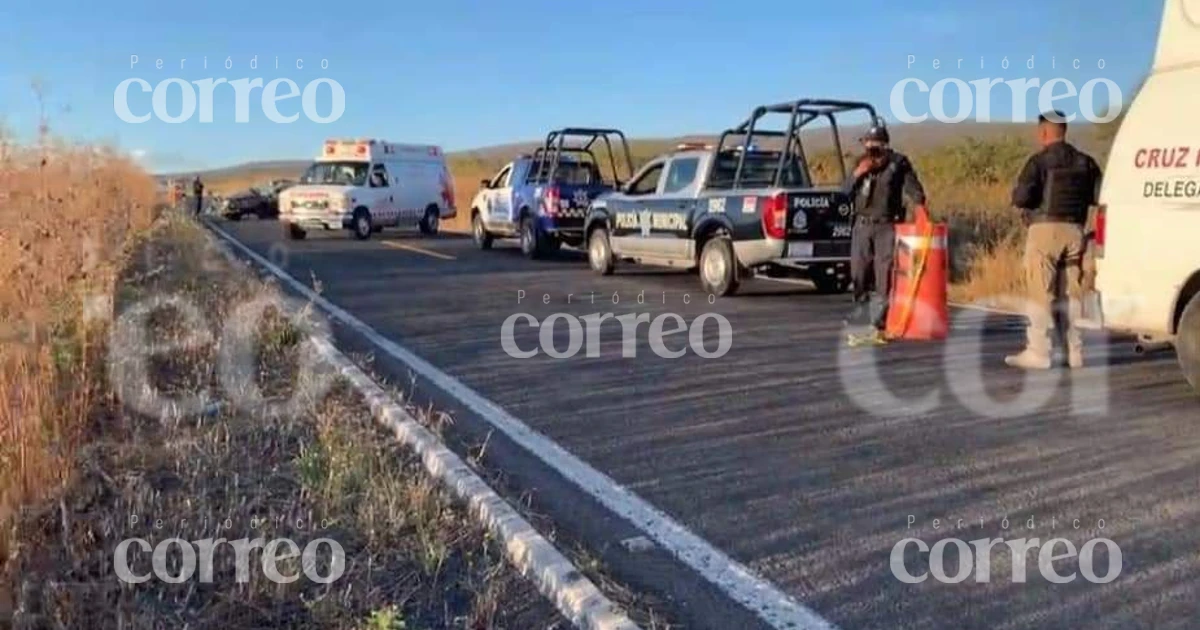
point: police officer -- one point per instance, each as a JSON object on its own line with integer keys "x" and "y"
{"x": 1055, "y": 190}
{"x": 884, "y": 183}
{"x": 198, "y": 191}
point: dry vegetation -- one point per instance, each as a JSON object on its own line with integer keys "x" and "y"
{"x": 82, "y": 240}
{"x": 413, "y": 559}
{"x": 68, "y": 215}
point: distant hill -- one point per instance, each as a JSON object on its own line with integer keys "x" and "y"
{"x": 907, "y": 138}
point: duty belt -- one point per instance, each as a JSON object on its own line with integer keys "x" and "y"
{"x": 869, "y": 220}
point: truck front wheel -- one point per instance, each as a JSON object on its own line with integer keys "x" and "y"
{"x": 1187, "y": 342}
{"x": 479, "y": 232}
{"x": 600, "y": 254}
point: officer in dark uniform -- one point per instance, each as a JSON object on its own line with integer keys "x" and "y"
{"x": 1055, "y": 190}
{"x": 883, "y": 185}
{"x": 198, "y": 191}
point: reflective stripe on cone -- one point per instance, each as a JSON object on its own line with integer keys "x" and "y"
{"x": 918, "y": 304}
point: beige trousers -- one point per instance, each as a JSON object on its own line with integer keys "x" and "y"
{"x": 1049, "y": 248}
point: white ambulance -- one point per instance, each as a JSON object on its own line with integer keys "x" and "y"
{"x": 367, "y": 185}
{"x": 1147, "y": 241}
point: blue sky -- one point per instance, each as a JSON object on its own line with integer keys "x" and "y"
{"x": 465, "y": 74}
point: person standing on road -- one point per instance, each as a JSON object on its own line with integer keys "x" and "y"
{"x": 198, "y": 191}
{"x": 1055, "y": 190}
{"x": 884, "y": 185}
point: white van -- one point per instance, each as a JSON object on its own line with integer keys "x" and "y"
{"x": 1147, "y": 241}
{"x": 367, "y": 185}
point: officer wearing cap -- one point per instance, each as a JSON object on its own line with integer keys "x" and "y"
{"x": 883, "y": 186}
{"x": 1055, "y": 191}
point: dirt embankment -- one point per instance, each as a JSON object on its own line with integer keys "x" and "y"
{"x": 230, "y": 433}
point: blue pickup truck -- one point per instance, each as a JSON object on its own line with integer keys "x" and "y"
{"x": 748, "y": 206}
{"x": 543, "y": 198}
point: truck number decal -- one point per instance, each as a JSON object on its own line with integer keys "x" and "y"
{"x": 841, "y": 230}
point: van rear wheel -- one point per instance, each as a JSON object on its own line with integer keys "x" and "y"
{"x": 429, "y": 222}
{"x": 1187, "y": 342}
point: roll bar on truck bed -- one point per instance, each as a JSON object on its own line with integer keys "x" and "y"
{"x": 800, "y": 114}
{"x": 556, "y": 145}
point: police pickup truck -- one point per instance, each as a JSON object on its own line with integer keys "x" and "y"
{"x": 735, "y": 209}
{"x": 543, "y": 198}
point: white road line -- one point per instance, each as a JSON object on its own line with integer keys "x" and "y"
{"x": 771, "y": 605}
{"x": 555, "y": 576}
{"x": 535, "y": 557}
{"x": 417, "y": 250}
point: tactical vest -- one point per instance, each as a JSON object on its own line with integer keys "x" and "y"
{"x": 1069, "y": 184}
{"x": 879, "y": 195}
{"x": 1068, "y": 193}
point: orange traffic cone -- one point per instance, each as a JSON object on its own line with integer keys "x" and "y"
{"x": 918, "y": 304}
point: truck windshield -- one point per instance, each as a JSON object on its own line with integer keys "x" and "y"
{"x": 759, "y": 170}
{"x": 336, "y": 173}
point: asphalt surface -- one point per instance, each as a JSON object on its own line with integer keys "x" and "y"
{"x": 808, "y": 461}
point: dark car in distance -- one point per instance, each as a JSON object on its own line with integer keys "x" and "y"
{"x": 259, "y": 201}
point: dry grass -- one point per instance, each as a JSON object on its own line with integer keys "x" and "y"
{"x": 413, "y": 559}
{"x": 68, "y": 215}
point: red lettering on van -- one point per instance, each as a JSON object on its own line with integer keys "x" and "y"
{"x": 1172, "y": 157}
{"x": 1180, "y": 157}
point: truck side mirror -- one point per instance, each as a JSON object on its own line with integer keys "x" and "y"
{"x": 485, "y": 183}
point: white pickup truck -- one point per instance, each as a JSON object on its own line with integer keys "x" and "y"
{"x": 1147, "y": 237}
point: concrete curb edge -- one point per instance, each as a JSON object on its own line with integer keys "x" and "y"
{"x": 555, "y": 576}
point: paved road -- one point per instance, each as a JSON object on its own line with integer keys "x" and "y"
{"x": 807, "y": 461}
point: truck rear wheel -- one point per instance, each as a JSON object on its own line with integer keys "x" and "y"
{"x": 719, "y": 267}
{"x": 1187, "y": 342}
{"x": 533, "y": 242}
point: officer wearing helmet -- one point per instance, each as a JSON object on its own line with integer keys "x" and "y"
{"x": 884, "y": 187}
